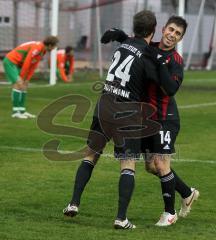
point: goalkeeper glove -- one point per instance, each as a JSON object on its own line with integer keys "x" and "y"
{"x": 114, "y": 34}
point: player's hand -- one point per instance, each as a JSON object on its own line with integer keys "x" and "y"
{"x": 20, "y": 79}
{"x": 20, "y": 82}
{"x": 155, "y": 56}
{"x": 69, "y": 78}
{"x": 114, "y": 34}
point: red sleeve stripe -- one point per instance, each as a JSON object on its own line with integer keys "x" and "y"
{"x": 178, "y": 58}
{"x": 165, "y": 103}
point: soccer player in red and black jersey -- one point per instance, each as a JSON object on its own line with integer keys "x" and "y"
{"x": 160, "y": 147}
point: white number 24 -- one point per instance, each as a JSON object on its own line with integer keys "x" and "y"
{"x": 119, "y": 73}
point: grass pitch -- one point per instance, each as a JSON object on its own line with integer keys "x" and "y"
{"x": 34, "y": 190}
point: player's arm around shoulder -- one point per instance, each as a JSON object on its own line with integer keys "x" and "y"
{"x": 176, "y": 67}
{"x": 150, "y": 70}
{"x": 150, "y": 64}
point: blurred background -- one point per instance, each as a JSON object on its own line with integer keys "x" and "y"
{"x": 81, "y": 23}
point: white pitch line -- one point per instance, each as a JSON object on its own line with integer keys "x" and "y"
{"x": 208, "y": 104}
{"x": 31, "y": 85}
{"x": 197, "y": 105}
{"x": 23, "y": 149}
{"x": 179, "y": 160}
{"x": 200, "y": 80}
{"x": 188, "y": 80}
{"x": 35, "y": 85}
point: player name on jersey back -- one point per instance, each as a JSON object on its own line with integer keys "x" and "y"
{"x": 132, "y": 49}
{"x": 116, "y": 91}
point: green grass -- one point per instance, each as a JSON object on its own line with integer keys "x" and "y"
{"x": 34, "y": 190}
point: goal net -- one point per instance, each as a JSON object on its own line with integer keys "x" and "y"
{"x": 81, "y": 23}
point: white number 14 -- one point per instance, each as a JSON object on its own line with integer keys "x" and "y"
{"x": 165, "y": 137}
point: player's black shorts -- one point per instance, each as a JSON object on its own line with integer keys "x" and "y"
{"x": 163, "y": 142}
{"x": 125, "y": 148}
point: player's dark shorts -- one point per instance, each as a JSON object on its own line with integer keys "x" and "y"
{"x": 125, "y": 148}
{"x": 163, "y": 142}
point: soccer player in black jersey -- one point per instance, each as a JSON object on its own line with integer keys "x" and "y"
{"x": 160, "y": 147}
{"x": 116, "y": 118}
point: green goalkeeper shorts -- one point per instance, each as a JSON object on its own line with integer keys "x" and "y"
{"x": 12, "y": 71}
{"x": 58, "y": 74}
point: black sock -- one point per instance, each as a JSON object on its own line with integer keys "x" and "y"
{"x": 168, "y": 192}
{"x": 82, "y": 177}
{"x": 126, "y": 186}
{"x": 181, "y": 187}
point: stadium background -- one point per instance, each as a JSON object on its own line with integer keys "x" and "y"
{"x": 34, "y": 190}
{"x": 22, "y": 20}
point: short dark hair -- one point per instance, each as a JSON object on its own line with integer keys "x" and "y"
{"x": 50, "y": 40}
{"x": 179, "y": 21}
{"x": 68, "y": 49}
{"x": 144, "y": 23}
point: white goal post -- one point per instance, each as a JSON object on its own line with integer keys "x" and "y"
{"x": 54, "y": 32}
